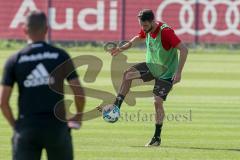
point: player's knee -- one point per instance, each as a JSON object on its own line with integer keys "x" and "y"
{"x": 127, "y": 74}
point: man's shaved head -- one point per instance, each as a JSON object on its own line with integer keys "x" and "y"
{"x": 36, "y": 22}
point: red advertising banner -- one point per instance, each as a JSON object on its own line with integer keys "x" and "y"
{"x": 207, "y": 21}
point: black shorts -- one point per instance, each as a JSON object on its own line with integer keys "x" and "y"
{"x": 28, "y": 144}
{"x": 162, "y": 86}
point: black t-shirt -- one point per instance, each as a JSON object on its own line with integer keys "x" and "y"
{"x": 31, "y": 68}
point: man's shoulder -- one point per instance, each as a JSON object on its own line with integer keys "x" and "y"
{"x": 160, "y": 23}
{"x": 61, "y": 51}
{"x": 36, "y": 52}
{"x": 43, "y": 46}
{"x": 164, "y": 26}
{"x": 13, "y": 58}
{"x": 56, "y": 49}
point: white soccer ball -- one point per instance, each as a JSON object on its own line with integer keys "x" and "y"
{"x": 110, "y": 113}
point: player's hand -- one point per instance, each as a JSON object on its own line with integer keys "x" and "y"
{"x": 177, "y": 78}
{"x": 75, "y": 122}
{"x": 115, "y": 51}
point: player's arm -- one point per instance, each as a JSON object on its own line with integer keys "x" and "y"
{"x": 172, "y": 39}
{"x": 183, "y": 51}
{"x": 5, "y": 94}
{"x": 135, "y": 40}
{"x": 7, "y": 83}
{"x": 79, "y": 98}
{"x": 75, "y": 85}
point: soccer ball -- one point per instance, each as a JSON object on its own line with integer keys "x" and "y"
{"x": 111, "y": 113}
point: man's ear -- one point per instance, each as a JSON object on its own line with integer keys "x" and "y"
{"x": 46, "y": 30}
{"x": 25, "y": 29}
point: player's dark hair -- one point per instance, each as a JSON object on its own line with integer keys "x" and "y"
{"x": 36, "y": 22}
{"x": 146, "y": 15}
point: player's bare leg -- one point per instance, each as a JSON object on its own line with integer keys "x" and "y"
{"x": 158, "y": 103}
{"x": 159, "y": 117}
{"x": 128, "y": 76}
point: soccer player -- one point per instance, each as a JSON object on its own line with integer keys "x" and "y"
{"x": 37, "y": 127}
{"x": 162, "y": 65}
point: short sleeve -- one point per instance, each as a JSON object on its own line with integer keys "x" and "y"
{"x": 8, "y": 77}
{"x": 69, "y": 68}
{"x": 142, "y": 34}
{"x": 170, "y": 38}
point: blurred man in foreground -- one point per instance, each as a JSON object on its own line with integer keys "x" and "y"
{"x": 37, "y": 127}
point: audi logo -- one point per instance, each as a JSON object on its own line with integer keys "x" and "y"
{"x": 209, "y": 16}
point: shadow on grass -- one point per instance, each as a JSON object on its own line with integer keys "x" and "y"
{"x": 195, "y": 148}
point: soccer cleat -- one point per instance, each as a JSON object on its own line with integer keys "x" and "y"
{"x": 155, "y": 141}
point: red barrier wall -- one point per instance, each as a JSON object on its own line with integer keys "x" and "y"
{"x": 208, "y": 21}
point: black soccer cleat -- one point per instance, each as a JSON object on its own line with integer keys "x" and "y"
{"x": 155, "y": 141}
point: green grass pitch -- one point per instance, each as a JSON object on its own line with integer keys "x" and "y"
{"x": 208, "y": 97}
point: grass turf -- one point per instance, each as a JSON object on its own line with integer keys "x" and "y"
{"x": 202, "y": 114}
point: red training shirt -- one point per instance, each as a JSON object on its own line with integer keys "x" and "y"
{"x": 168, "y": 37}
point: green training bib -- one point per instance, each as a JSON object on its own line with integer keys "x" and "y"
{"x": 161, "y": 63}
